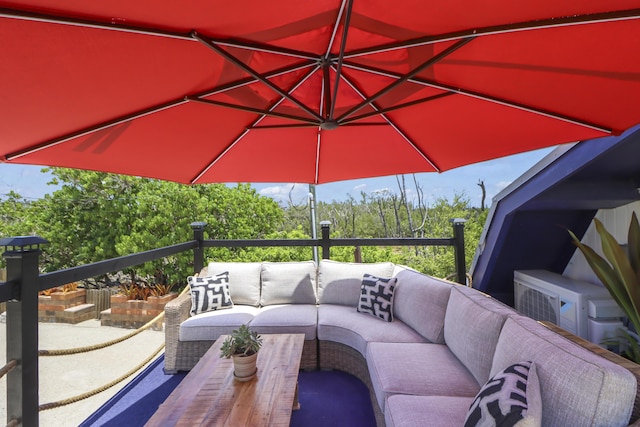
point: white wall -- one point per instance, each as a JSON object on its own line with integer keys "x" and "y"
{"x": 616, "y": 222}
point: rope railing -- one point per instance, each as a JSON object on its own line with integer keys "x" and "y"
{"x": 11, "y": 364}
{"x": 64, "y": 352}
{"x": 74, "y": 399}
{"x": 13, "y": 423}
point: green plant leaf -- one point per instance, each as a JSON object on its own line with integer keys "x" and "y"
{"x": 621, "y": 265}
{"x": 608, "y": 277}
{"x": 633, "y": 240}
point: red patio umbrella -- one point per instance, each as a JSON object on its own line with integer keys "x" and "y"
{"x": 309, "y": 91}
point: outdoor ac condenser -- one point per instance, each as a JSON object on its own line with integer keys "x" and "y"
{"x": 544, "y": 295}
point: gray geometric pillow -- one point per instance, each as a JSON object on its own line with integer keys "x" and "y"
{"x": 376, "y": 297}
{"x": 209, "y": 293}
{"x": 511, "y": 398}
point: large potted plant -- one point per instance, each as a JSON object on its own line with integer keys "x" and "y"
{"x": 243, "y": 345}
{"x": 619, "y": 272}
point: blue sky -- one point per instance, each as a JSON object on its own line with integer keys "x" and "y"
{"x": 29, "y": 182}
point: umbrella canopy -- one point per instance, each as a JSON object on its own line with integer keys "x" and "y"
{"x": 309, "y": 91}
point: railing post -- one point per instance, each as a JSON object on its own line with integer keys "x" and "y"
{"x": 458, "y": 235}
{"x": 21, "y": 255}
{"x": 198, "y": 253}
{"x": 325, "y": 228}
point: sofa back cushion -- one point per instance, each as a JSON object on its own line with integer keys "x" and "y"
{"x": 340, "y": 282}
{"x": 420, "y": 301}
{"x": 472, "y": 326}
{"x": 244, "y": 280}
{"x": 578, "y": 387}
{"x": 288, "y": 283}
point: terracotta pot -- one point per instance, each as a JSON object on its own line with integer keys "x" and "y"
{"x": 245, "y": 367}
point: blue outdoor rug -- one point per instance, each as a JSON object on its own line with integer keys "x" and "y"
{"x": 327, "y": 398}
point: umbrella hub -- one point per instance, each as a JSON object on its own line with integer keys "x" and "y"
{"x": 329, "y": 125}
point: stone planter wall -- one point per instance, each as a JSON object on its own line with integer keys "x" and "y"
{"x": 65, "y": 307}
{"x": 132, "y": 314}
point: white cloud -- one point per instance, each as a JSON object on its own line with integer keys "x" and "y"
{"x": 298, "y": 193}
{"x": 360, "y": 187}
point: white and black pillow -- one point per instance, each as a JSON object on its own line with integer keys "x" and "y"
{"x": 509, "y": 398}
{"x": 376, "y": 297}
{"x": 209, "y": 293}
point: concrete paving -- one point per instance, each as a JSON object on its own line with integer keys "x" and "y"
{"x": 63, "y": 377}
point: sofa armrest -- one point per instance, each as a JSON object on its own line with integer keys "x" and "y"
{"x": 176, "y": 311}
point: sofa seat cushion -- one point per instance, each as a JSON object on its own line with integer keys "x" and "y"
{"x": 340, "y": 282}
{"x": 425, "y": 369}
{"x": 472, "y": 325}
{"x": 287, "y": 319}
{"x": 244, "y": 280}
{"x": 421, "y": 302}
{"x": 210, "y": 325}
{"x": 419, "y": 411}
{"x": 577, "y": 387}
{"x": 288, "y": 283}
{"x": 346, "y": 326}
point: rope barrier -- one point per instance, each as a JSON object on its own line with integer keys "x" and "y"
{"x": 68, "y": 351}
{"x": 86, "y": 349}
{"x": 13, "y": 423}
{"x": 52, "y": 405}
{"x": 8, "y": 367}
{"x": 88, "y": 394}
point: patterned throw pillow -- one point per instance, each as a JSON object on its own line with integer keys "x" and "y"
{"x": 209, "y": 293}
{"x": 376, "y": 297}
{"x": 509, "y": 398}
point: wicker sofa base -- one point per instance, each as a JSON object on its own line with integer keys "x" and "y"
{"x": 190, "y": 352}
{"x": 333, "y": 355}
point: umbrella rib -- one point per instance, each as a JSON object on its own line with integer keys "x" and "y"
{"x": 253, "y": 110}
{"x": 394, "y": 126}
{"x": 335, "y": 29}
{"x": 291, "y": 126}
{"x": 101, "y": 126}
{"x": 250, "y": 80}
{"x": 428, "y": 63}
{"x": 264, "y": 48}
{"x": 395, "y": 107}
{"x": 252, "y": 126}
{"x": 229, "y": 57}
{"x": 85, "y": 23}
{"x": 343, "y": 46}
{"x": 594, "y": 18}
{"x": 483, "y": 97}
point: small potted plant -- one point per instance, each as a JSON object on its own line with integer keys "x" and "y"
{"x": 243, "y": 345}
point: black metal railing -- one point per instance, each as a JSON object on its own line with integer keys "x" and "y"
{"x": 24, "y": 283}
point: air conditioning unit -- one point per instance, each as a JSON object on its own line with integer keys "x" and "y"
{"x": 548, "y": 296}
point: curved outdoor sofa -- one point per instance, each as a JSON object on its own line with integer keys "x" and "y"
{"x": 446, "y": 349}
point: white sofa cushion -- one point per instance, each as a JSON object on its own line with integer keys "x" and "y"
{"x": 578, "y": 388}
{"x": 340, "y": 282}
{"x": 421, "y": 301}
{"x": 344, "y": 325}
{"x": 424, "y": 369}
{"x": 287, "y": 319}
{"x": 210, "y": 325}
{"x": 472, "y": 326}
{"x": 288, "y": 283}
{"x": 419, "y": 411}
{"x": 244, "y": 280}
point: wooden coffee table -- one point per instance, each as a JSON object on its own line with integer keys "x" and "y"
{"x": 210, "y": 396}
